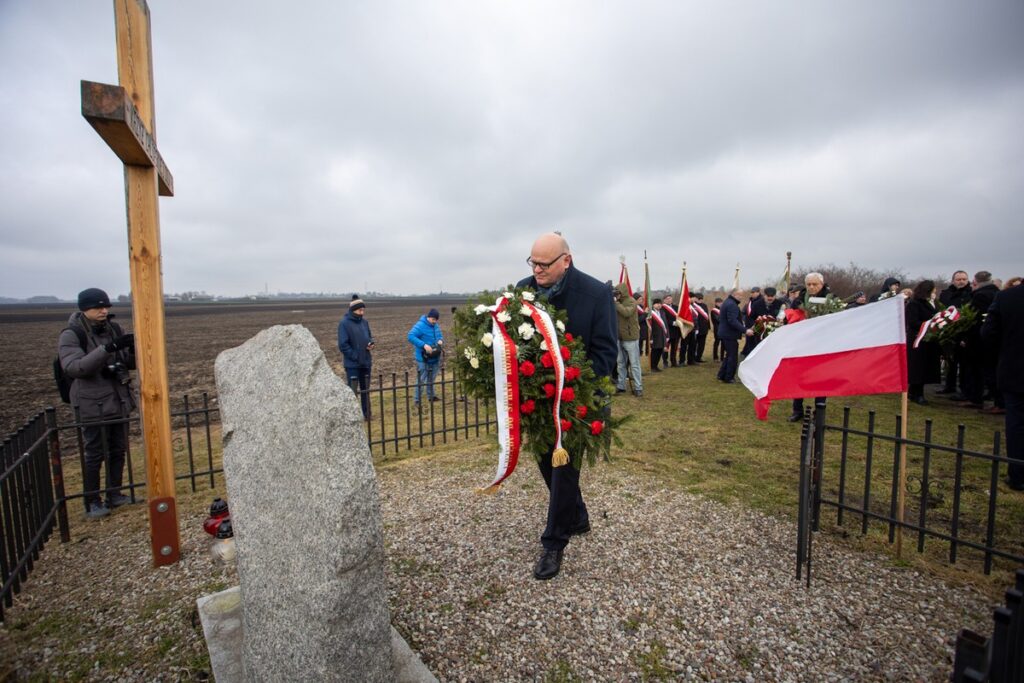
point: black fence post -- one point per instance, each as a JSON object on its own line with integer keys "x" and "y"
{"x": 819, "y": 458}
{"x": 802, "y": 532}
{"x": 57, "y": 469}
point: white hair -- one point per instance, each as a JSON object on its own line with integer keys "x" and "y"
{"x": 814, "y": 276}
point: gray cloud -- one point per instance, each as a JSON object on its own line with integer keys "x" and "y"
{"x": 406, "y": 147}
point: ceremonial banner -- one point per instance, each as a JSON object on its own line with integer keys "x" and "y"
{"x": 854, "y": 352}
{"x": 684, "y": 318}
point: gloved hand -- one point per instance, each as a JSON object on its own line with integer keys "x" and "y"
{"x": 125, "y": 341}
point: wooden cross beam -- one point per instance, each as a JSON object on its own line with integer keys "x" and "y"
{"x": 124, "y": 117}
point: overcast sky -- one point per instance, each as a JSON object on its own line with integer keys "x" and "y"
{"x": 410, "y": 147}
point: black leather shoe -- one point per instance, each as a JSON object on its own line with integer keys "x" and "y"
{"x": 795, "y": 417}
{"x": 580, "y": 529}
{"x": 548, "y": 565}
{"x": 920, "y": 400}
{"x": 1013, "y": 486}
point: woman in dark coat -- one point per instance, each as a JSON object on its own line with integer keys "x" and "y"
{"x": 923, "y": 363}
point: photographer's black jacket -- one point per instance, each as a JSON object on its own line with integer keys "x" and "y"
{"x": 96, "y": 390}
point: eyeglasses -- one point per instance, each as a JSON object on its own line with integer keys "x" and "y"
{"x": 543, "y": 266}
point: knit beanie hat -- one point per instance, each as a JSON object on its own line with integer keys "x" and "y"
{"x": 356, "y": 303}
{"x": 92, "y": 298}
{"x": 434, "y": 313}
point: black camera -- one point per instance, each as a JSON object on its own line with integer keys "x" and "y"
{"x": 118, "y": 371}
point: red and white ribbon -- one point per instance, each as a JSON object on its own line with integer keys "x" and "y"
{"x": 506, "y": 397}
{"x": 656, "y": 317}
{"x": 546, "y": 328}
{"x": 937, "y": 321}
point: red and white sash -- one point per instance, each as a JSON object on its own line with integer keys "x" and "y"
{"x": 506, "y": 397}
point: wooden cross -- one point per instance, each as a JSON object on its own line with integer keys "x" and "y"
{"x": 124, "y": 117}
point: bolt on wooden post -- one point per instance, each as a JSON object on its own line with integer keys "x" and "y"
{"x": 124, "y": 117}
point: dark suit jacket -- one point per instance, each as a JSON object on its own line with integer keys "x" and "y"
{"x": 592, "y": 318}
{"x": 730, "y": 324}
{"x": 758, "y": 307}
{"x": 1004, "y": 330}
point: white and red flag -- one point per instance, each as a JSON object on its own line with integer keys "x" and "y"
{"x": 854, "y": 352}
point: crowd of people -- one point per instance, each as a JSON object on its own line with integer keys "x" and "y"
{"x": 984, "y": 362}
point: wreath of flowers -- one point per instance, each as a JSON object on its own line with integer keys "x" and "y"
{"x": 947, "y": 326}
{"x": 587, "y": 428}
{"x": 816, "y": 306}
{"x": 765, "y": 325}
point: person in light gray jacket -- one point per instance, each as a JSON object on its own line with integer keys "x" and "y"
{"x": 97, "y": 358}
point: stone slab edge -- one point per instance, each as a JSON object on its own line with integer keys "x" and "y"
{"x": 221, "y": 615}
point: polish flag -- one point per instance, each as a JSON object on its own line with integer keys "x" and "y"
{"x": 850, "y": 353}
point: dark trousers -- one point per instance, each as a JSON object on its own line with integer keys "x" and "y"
{"x": 954, "y": 370}
{"x": 566, "y": 509}
{"x": 673, "y": 348}
{"x": 730, "y": 360}
{"x": 360, "y": 377}
{"x": 695, "y": 351}
{"x": 716, "y": 348}
{"x": 1014, "y": 401}
{"x": 645, "y": 344}
{"x": 656, "y": 357}
{"x": 975, "y": 379}
{"x": 103, "y": 444}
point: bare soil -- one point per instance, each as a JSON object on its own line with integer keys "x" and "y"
{"x": 196, "y": 333}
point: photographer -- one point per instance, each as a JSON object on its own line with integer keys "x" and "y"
{"x": 355, "y": 341}
{"x": 427, "y": 340}
{"x": 98, "y": 358}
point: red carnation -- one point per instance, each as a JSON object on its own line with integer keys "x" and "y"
{"x": 596, "y": 427}
{"x": 527, "y": 368}
{"x": 568, "y": 394}
{"x": 546, "y": 360}
{"x": 549, "y": 390}
{"x": 572, "y": 374}
{"x": 527, "y": 407}
{"x": 566, "y": 424}
{"x": 565, "y": 352}
{"x": 581, "y": 411}
{"x": 568, "y": 338}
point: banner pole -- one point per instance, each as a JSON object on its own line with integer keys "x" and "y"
{"x": 902, "y": 477}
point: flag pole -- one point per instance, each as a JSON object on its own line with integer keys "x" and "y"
{"x": 736, "y": 277}
{"x": 902, "y": 478}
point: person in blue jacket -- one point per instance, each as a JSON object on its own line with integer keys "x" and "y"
{"x": 427, "y": 340}
{"x": 355, "y": 341}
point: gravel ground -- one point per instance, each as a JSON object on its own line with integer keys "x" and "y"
{"x": 666, "y": 586}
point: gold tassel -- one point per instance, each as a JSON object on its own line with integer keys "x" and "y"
{"x": 490, "y": 490}
{"x": 560, "y": 457}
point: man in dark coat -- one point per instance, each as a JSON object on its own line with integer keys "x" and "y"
{"x": 773, "y": 302}
{"x": 814, "y": 286}
{"x": 1003, "y": 329}
{"x": 355, "y": 341}
{"x": 97, "y": 357}
{"x": 756, "y": 307}
{"x": 641, "y": 317}
{"x": 890, "y": 287}
{"x": 659, "y": 335}
{"x": 730, "y": 329}
{"x": 922, "y": 361}
{"x": 699, "y": 335}
{"x": 980, "y": 366}
{"x": 675, "y": 335}
{"x": 957, "y": 294}
{"x": 591, "y": 311}
{"x": 716, "y": 346}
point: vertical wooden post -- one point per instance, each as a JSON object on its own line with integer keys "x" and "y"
{"x": 902, "y": 477}
{"x": 135, "y": 75}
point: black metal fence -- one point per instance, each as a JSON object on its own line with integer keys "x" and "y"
{"x": 999, "y": 659}
{"x": 860, "y": 480}
{"x": 33, "y": 495}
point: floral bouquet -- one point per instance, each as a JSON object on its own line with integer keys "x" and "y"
{"x": 816, "y": 306}
{"x": 765, "y": 325}
{"x": 515, "y": 350}
{"x": 947, "y": 326}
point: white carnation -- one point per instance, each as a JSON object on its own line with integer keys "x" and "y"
{"x": 487, "y": 339}
{"x": 528, "y": 296}
{"x": 560, "y": 326}
{"x": 474, "y": 362}
{"x": 481, "y": 309}
{"x": 507, "y": 295}
{"x": 526, "y": 331}
{"x": 504, "y": 317}
{"x": 469, "y": 353}
{"x": 543, "y": 345}
{"x": 525, "y": 311}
